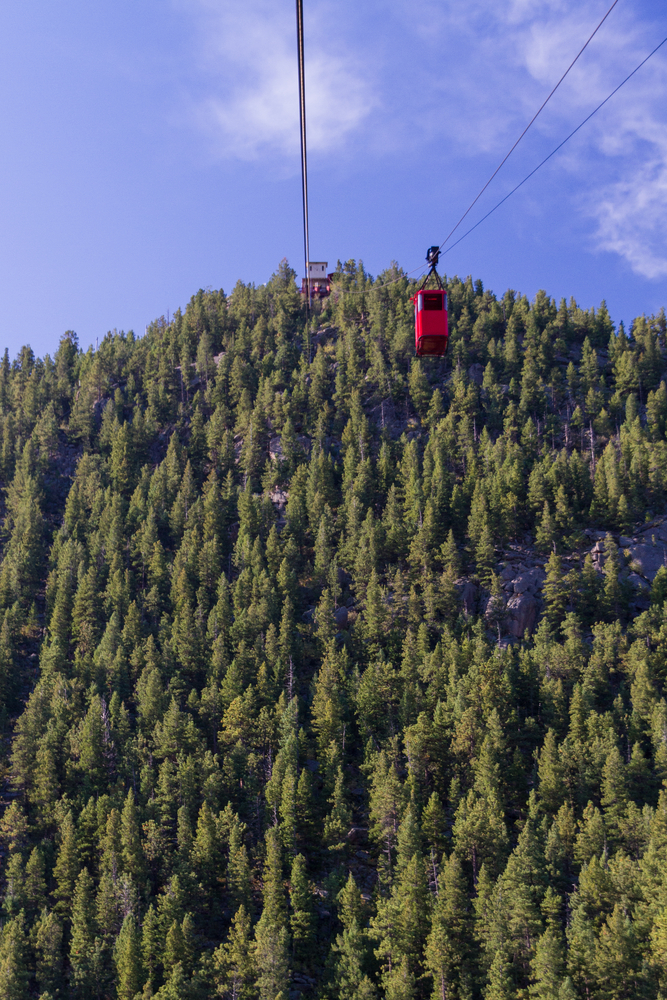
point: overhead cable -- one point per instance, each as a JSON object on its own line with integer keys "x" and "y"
{"x": 559, "y": 146}
{"x": 304, "y": 159}
{"x": 532, "y": 120}
{"x": 535, "y": 169}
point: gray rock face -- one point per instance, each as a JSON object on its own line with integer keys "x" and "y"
{"x": 522, "y": 580}
{"x": 646, "y": 552}
{"x": 276, "y": 449}
{"x": 469, "y": 597}
{"x": 647, "y": 559}
{"x": 341, "y": 617}
{"x": 522, "y": 609}
{"x": 529, "y": 581}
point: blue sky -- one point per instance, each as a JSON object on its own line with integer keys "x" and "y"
{"x": 150, "y": 149}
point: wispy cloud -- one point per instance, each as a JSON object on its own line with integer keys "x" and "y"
{"x": 617, "y": 165}
{"x": 631, "y": 219}
{"x": 248, "y": 52}
{"x": 458, "y": 80}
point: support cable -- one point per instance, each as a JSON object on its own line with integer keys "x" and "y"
{"x": 537, "y": 113}
{"x": 304, "y": 159}
{"x": 526, "y": 178}
{"x": 559, "y": 146}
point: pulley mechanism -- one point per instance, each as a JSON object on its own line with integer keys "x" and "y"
{"x": 431, "y": 330}
{"x": 432, "y": 258}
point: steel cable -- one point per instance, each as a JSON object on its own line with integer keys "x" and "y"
{"x": 304, "y": 158}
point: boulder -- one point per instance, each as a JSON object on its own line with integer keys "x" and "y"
{"x": 655, "y": 530}
{"x": 638, "y": 581}
{"x": 529, "y": 581}
{"x": 476, "y": 373}
{"x": 647, "y": 559}
{"x": 304, "y": 442}
{"x": 522, "y": 610}
{"x": 276, "y": 449}
{"x": 469, "y": 597}
{"x": 341, "y": 617}
{"x": 278, "y": 497}
{"x": 590, "y": 533}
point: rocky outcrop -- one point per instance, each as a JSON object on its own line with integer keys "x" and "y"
{"x": 645, "y": 552}
{"x": 646, "y": 560}
{"x": 341, "y": 617}
{"x": 522, "y": 610}
{"x": 469, "y": 593}
{"x": 522, "y": 578}
{"x": 276, "y": 449}
{"x": 476, "y": 373}
{"x": 529, "y": 581}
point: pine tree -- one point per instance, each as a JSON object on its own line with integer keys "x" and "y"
{"x": 83, "y": 952}
{"x": 13, "y": 967}
{"x": 338, "y": 820}
{"x": 273, "y": 892}
{"x": 555, "y": 591}
{"x": 447, "y": 953}
{"x": 350, "y": 977}
{"x": 234, "y": 961}
{"x": 612, "y": 598}
{"x": 301, "y": 902}
{"x": 617, "y": 960}
{"x": 151, "y": 948}
{"x": 48, "y": 937}
{"x": 485, "y": 555}
{"x": 500, "y": 985}
{"x": 127, "y": 958}
{"x": 545, "y": 531}
{"x": 133, "y": 861}
{"x": 271, "y": 957}
{"x": 66, "y": 870}
{"x": 547, "y": 966}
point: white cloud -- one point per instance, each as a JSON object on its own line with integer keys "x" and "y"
{"x": 457, "y": 81}
{"x": 248, "y": 50}
{"x": 617, "y": 165}
{"x": 632, "y": 220}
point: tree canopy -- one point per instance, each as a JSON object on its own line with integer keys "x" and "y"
{"x": 268, "y": 729}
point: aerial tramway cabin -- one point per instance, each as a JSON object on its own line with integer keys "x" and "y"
{"x": 431, "y": 330}
{"x": 320, "y": 281}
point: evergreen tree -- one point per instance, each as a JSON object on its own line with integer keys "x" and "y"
{"x": 84, "y": 946}
{"x": 301, "y": 900}
{"x": 234, "y": 961}
{"x": 127, "y": 958}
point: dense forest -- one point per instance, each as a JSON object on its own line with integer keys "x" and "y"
{"x": 330, "y": 672}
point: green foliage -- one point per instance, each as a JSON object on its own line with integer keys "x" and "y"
{"x": 267, "y": 723}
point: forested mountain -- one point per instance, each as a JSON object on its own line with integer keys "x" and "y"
{"x": 327, "y": 671}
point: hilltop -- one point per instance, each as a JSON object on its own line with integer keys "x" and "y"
{"x": 333, "y": 672}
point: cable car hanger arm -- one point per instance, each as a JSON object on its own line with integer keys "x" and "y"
{"x": 432, "y": 258}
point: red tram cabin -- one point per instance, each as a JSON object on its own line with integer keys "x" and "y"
{"x": 431, "y": 331}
